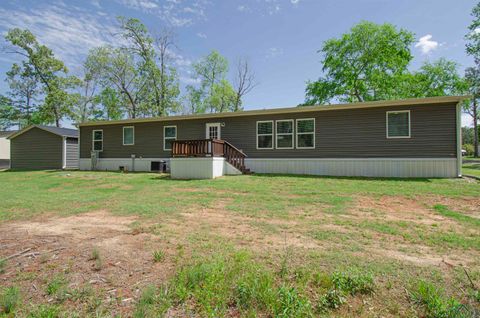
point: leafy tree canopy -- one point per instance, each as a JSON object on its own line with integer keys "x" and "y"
{"x": 371, "y": 63}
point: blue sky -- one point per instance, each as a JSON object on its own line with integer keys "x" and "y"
{"x": 280, "y": 37}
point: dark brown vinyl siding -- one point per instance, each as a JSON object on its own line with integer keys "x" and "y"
{"x": 352, "y": 133}
{"x": 36, "y": 149}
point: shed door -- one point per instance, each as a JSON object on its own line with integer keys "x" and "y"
{"x": 213, "y": 131}
{"x": 71, "y": 153}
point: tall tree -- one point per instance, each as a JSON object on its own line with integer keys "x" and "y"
{"x": 112, "y": 105}
{"x": 244, "y": 82}
{"x": 472, "y": 108}
{"x": 210, "y": 70}
{"x": 162, "y": 88}
{"x": 362, "y": 65}
{"x": 472, "y": 74}
{"x": 194, "y": 100}
{"x": 24, "y": 92}
{"x": 85, "y": 108}
{"x": 118, "y": 70}
{"x": 50, "y": 71}
{"x": 169, "y": 82}
{"x": 438, "y": 78}
{"x": 223, "y": 97}
{"x": 8, "y": 113}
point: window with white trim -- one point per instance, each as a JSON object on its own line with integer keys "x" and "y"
{"x": 169, "y": 135}
{"x": 265, "y": 134}
{"x": 305, "y": 133}
{"x": 97, "y": 140}
{"x": 284, "y": 134}
{"x": 398, "y": 124}
{"x": 128, "y": 135}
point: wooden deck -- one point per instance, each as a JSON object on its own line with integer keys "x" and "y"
{"x": 210, "y": 148}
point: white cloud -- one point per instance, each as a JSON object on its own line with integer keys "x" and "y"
{"x": 242, "y": 8}
{"x": 70, "y": 32}
{"x": 426, "y": 44}
{"x": 177, "y": 13}
{"x": 294, "y": 1}
{"x": 201, "y": 35}
{"x": 140, "y": 4}
{"x": 273, "y": 52}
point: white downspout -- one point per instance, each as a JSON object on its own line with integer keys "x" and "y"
{"x": 459, "y": 140}
{"x": 64, "y": 152}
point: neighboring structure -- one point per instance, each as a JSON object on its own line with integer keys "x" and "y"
{"x": 5, "y": 149}
{"x": 403, "y": 138}
{"x": 44, "y": 147}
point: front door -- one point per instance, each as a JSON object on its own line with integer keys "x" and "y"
{"x": 213, "y": 131}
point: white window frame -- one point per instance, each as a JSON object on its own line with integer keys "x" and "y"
{"x": 169, "y": 138}
{"x": 304, "y": 133}
{"x": 93, "y": 139}
{"x": 409, "y": 124}
{"x": 284, "y": 134}
{"x": 272, "y": 134}
{"x": 123, "y": 135}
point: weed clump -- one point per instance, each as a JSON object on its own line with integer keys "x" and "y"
{"x": 9, "y": 300}
{"x": 212, "y": 288}
{"x": 343, "y": 284}
{"x": 436, "y": 305}
{"x": 158, "y": 256}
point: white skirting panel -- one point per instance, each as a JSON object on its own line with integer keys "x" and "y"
{"x": 197, "y": 168}
{"x": 113, "y": 164}
{"x": 368, "y": 167}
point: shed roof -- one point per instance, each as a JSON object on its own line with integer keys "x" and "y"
{"x": 62, "y": 132}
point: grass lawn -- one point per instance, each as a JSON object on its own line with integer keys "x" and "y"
{"x": 472, "y": 167}
{"x": 102, "y": 244}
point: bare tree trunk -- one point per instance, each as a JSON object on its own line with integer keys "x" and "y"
{"x": 475, "y": 127}
{"x": 244, "y": 82}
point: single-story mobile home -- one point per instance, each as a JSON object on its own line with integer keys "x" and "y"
{"x": 400, "y": 138}
{"x": 44, "y": 147}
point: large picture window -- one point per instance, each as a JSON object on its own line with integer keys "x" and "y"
{"x": 306, "y": 133}
{"x": 169, "y": 135}
{"x": 265, "y": 134}
{"x": 398, "y": 124}
{"x": 128, "y": 136}
{"x": 97, "y": 140}
{"x": 284, "y": 134}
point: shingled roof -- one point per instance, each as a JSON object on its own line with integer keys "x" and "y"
{"x": 63, "y": 132}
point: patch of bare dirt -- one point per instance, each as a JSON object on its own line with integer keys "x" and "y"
{"x": 219, "y": 220}
{"x": 425, "y": 256}
{"x": 64, "y": 246}
{"x": 467, "y": 205}
{"x": 397, "y": 208}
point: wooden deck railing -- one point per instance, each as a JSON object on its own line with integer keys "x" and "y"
{"x": 210, "y": 148}
{"x": 198, "y": 148}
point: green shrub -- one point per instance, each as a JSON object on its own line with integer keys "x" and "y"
{"x": 343, "y": 284}
{"x": 333, "y": 299}
{"x": 291, "y": 304}
{"x": 436, "y": 305}
{"x": 469, "y": 148}
{"x": 353, "y": 282}
{"x": 9, "y": 299}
